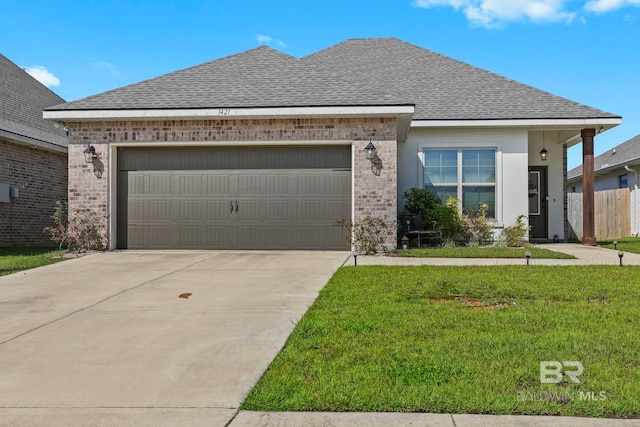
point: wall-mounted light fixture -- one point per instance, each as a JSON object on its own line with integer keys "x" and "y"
{"x": 89, "y": 153}
{"x": 370, "y": 151}
{"x": 543, "y": 152}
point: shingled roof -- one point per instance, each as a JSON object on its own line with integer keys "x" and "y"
{"x": 627, "y": 153}
{"x": 357, "y": 72}
{"x": 22, "y": 99}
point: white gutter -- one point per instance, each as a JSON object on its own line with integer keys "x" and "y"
{"x": 229, "y": 113}
{"x": 635, "y": 184}
{"x": 551, "y": 123}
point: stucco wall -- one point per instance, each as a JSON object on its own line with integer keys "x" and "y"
{"x": 511, "y": 163}
{"x": 373, "y": 195}
{"x": 41, "y": 177}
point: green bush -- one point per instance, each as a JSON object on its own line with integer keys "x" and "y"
{"x": 514, "y": 235}
{"x": 420, "y": 201}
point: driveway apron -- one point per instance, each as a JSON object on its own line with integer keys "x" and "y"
{"x": 148, "y": 337}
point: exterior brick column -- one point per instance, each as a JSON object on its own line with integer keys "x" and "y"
{"x": 588, "y": 209}
{"x": 375, "y": 186}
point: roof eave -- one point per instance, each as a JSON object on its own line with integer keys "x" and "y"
{"x": 33, "y": 142}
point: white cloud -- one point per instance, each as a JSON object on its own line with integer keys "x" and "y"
{"x": 601, "y": 6}
{"x": 262, "y": 39}
{"x": 104, "y": 65}
{"x": 495, "y": 13}
{"x": 43, "y": 75}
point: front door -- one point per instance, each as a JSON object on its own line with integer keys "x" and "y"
{"x": 538, "y": 217}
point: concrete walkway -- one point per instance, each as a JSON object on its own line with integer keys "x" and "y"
{"x": 585, "y": 255}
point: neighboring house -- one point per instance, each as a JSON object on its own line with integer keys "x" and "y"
{"x": 615, "y": 168}
{"x": 261, "y": 150}
{"x": 33, "y": 158}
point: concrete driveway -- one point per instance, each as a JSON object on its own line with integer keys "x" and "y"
{"x": 106, "y": 340}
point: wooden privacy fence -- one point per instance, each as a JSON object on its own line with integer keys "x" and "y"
{"x": 613, "y": 214}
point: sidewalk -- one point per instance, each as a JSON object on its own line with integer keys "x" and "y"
{"x": 367, "y": 419}
{"x": 585, "y": 255}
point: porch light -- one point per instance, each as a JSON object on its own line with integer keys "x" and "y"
{"x": 89, "y": 154}
{"x": 620, "y": 255}
{"x": 543, "y": 152}
{"x": 370, "y": 151}
{"x": 528, "y": 256}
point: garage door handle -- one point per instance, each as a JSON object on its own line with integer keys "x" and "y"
{"x": 231, "y": 207}
{"x": 236, "y": 206}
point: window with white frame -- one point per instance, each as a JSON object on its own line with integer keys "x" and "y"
{"x": 468, "y": 175}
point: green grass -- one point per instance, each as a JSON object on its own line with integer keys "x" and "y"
{"x": 484, "y": 252}
{"x": 406, "y": 339}
{"x": 13, "y": 260}
{"x": 625, "y": 244}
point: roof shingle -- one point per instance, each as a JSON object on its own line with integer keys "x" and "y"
{"x": 22, "y": 99}
{"x": 355, "y": 72}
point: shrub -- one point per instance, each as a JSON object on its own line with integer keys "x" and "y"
{"x": 82, "y": 231}
{"x": 448, "y": 219}
{"x": 419, "y": 201}
{"x": 514, "y": 235}
{"x": 368, "y": 235}
{"x": 478, "y": 231}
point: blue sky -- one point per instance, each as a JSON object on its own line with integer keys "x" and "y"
{"x": 584, "y": 50}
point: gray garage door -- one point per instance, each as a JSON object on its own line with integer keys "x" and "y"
{"x": 233, "y": 198}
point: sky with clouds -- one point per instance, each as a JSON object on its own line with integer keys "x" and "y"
{"x": 584, "y": 50}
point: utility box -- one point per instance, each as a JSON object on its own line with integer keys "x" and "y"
{"x": 14, "y": 192}
{"x": 5, "y": 193}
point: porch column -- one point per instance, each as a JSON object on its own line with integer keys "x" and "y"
{"x": 588, "y": 213}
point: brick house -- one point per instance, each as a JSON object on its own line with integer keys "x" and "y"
{"x": 261, "y": 150}
{"x": 33, "y": 158}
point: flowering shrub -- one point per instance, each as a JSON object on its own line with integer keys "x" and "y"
{"x": 81, "y": 231}
{"x": 368, "y": 235}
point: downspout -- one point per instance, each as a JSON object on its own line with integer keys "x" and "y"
{"x": 635, "y": 204}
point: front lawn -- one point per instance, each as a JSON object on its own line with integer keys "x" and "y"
{"x": 484, "y": 252}
{"x": 463, "y": 340}
{"x": 625, "y": 244}
{"x": 13, "y": 260}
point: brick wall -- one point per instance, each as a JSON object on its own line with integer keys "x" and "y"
{"x": 375, "y": 195}
{"x": 41, "y": 177}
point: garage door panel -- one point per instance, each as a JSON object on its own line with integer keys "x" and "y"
{"x": 251, "y": 237}
{"x": 217, "y": 184}
{"x": 159, "y": 183}
{"x": 191, "y": 210}
{"x": 310, "y": 184}
{"x": 309, "y": 211}
{"x": 277, "y": 210}
{"x": 277, "y": 185}
{"x": 232, "y": 207}
{"x": 252, "y": 184}
{"x": 335, "y": 184}
{"x": 190, "y": 185}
